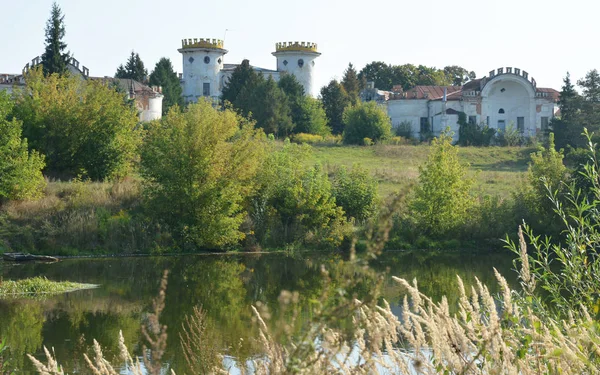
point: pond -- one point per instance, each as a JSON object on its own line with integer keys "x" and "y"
{"x": 224, "y": 285}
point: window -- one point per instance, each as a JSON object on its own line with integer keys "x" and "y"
{"x": 285, "y": 62}
{"x": 501, "y": 125}
{"x": 191, "y": 59}
{"x": 301, "y": 63}
{"x": 501, "y": 110}
{"x": 206, "y": 59}
{"x": 472, "y": 120}
{"x": 425, "y": 128}
{"x": 544, "y": 124}
{"x": 206, "y": 89}
{"x": 521, "y": 124}
{"x": 487, "y": 120}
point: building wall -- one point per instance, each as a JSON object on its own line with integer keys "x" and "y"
{"x": 304, "y": 72}
{"x": 197, "y": 72}
{"x": 154, "y": 110}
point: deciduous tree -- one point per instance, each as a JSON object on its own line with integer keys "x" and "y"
{"x": 335, "y": 100}
{"x": 366, "y": 120}
{"x": 198, "y": 168}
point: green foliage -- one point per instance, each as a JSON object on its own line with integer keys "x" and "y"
{"x": 443, "y": 196}
{"x": 20, "y": 170}
{"x": 356, "y": 192}
{"x": 81, "y": 126}
{"x": 242, "y": 75}
{"x": 54, "y": 59}
{"x": 266, "y": 103}
{"x": 387, "y": 76}
{"x": 311, "y": 118}
{"x": 352, "y": 84}
{"x": 199, "y": 167}
{"x": 510, "y": 136}
{"x": 566, "y": 271}
{"x": 366, "y": 120}
{"x": 547, "y": 173}
{"x": 473, "y": 134}
{"x": 294, "y": 202}
{"x": 39, "y": 285}
{"x": 335, "y": 100}
{"x": 163, "y": 75}
{"x": 133, "y": 69}
{"x": 404, "y": 129}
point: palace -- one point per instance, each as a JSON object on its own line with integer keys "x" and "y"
{"x": 507, "y": 97}
{"x": 205, "y": 72}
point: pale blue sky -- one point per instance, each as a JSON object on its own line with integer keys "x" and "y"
{"x": 545, "y": 38}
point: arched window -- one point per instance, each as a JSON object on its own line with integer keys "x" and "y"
{"x": 501, "y": 110}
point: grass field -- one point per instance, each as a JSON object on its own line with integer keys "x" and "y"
{"x": 498, "y": 170}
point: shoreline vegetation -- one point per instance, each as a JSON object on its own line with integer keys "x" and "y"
{"x": 37, "y": 286}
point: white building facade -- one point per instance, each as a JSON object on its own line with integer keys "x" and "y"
{"x": 205, "y": 72}
{"x": 507, "y": 97}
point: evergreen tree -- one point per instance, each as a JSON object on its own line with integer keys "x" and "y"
{"x": 567, "y": 129}
{"x": 133, "y": 69}
{"x": 335, "y": 100}
{"x": 55, "y": 59}
{"x": 269, "y": 106}
{"x": 311, "y": 118}
{"x": 242, "y": 75}
{"x": 591, "y": 86}
{"x": 163, "y": 75}
{"x": 351, "y": 84}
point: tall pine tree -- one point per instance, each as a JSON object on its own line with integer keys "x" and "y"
{"x": 351, "y": 84}
{"x": 55, "y": 59}
{"x": 133, "y": 69}
{"x": 567, "y": 129}
{"x": 163, "y": 75}
{"x": 242, "y": 75}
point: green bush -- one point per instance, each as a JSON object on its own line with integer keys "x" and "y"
{"x": 20, "y": 170}
{"x": 83, "y": 127}
{"x": 199, "y": 168}
{"x": 294, "y": 202}
{"x": 443, "y": 196}
{"x": 366, "y": 120}
{"x": 356, "y": 192}
{"x": 473, "y": 134}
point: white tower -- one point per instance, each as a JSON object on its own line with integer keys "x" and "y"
{"x": 298, "y": 58}
{"x": 202, "y": 64}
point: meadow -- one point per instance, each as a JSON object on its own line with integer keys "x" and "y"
{"x": 497, "y": 170}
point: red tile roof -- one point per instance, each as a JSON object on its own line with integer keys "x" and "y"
{"x": 434, "y": 92}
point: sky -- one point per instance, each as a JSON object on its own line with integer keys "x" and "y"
{"x": 546, "y": 38}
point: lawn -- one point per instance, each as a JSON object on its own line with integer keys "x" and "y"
{"x": 497, "y": 170}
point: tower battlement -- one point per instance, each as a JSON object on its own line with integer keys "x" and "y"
{"x": 202, "y": 43}
{"x": 296, "y": 46}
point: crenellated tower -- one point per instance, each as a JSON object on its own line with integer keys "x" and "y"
{"x": 202, "y": 64}
{"x": 298, "y": 58}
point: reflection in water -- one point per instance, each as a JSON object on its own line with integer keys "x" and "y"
{"x": 225, "y": 286}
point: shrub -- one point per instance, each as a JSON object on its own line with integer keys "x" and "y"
{"x": 294, "y": 202}
{"x": 473, "y": 134}
{"x": 81, "y": 126}
{"x": 310, "y": 117}
{"x": 307, "y": 138}
{"x": 509, "y": 137}
{"x": 404, "y": 129}
{"x": 20, "y": 170}
{"x": 366, "y": 120}
{"x": 356, "y": 192}
{"x": 442, "y": 197}
{"x": 199, "y": 167}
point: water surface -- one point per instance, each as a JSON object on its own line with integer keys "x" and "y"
{"x": 224, "y": 285}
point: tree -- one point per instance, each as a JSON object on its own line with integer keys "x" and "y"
{"x": 366, "y": 120}
{"x": 54, "y": 59}
{"x": 242, "y": 75}
{"x": 133, "y": 69}
{"x": 442, "y": 198}
{"x": 567, "y": 129}
{"x": 591, "y": 86}
{"x": 20, "y": 169}
{"x": 458, "y": 75}
{"x": 356, "y": 192}
{"x": 335, "y": 100}
{"x": 163, "y": 75}
{"x": 267, "y": 104}
{"x": 351, "y": 84}
{"x": 198, "y": 167}
{"x": 83, "y": 127}
{"x": 311, "y": 118}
